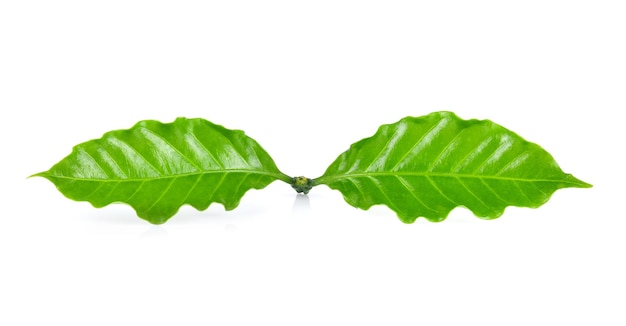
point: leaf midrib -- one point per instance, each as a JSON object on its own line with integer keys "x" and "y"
{"x": 328, "y": 179}
{"x": 278, "y": 176}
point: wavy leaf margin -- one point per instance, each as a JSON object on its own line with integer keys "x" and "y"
{"x": 426, "y": 166}
{"x": 158, "y": 167}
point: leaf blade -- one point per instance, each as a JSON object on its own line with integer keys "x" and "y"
{"x": 449, "y": 162}
{"x": 156, "y": 168}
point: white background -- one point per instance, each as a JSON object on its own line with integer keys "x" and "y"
{"x": 307, "y": 79}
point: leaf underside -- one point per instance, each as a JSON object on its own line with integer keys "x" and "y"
{"x": 156, "y": 168}
{"x": 429, "y": 165}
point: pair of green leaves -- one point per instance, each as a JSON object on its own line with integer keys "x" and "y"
{"x": 423, "y": 166}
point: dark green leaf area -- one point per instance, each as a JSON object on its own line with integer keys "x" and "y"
{"x": 427, "y": 166}
{"x": 157, "y": 167}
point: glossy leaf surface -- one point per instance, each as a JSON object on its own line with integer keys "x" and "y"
{"x": 427, "y": 166}
{"x": 156, "y": 168}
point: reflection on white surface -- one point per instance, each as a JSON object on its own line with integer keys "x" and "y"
{"x": 230, "y": 228}
{"x": 301, "y": 205}
{"x": 155, "y": 231}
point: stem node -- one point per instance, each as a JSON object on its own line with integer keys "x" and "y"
{"x": 301, "y": 184}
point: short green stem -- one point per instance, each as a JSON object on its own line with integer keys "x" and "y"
{"x": 301, "y": 184}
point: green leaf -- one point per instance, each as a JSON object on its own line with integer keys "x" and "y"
{"x": 429, "y": 165}
{"x": 156, "y": 168}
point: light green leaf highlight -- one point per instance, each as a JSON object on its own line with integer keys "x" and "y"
{"x": 156, "y": 168}
{"x": 427, "y": 166}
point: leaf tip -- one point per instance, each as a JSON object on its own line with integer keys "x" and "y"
{"x": 577, "y": 183}
{"x": 39, "y": 174}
